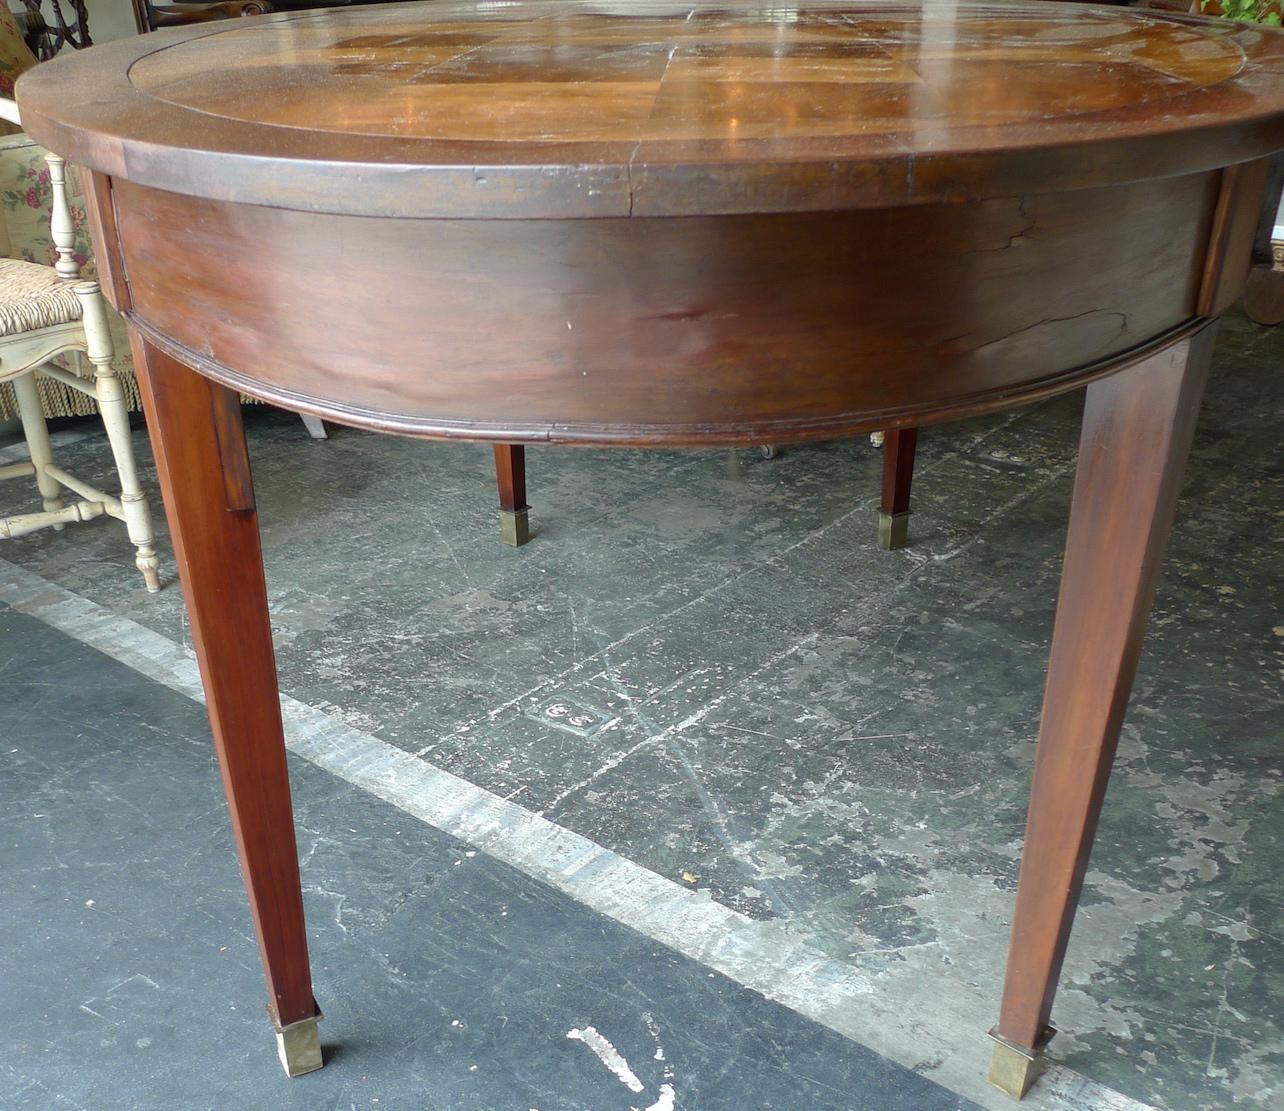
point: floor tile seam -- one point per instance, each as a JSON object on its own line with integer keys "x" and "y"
{"x": 711, "y": 804}
{"x": 871, "y": 603}
{"x": 772, "y": 561}
{"x": 757, "y": 955}
{"x": 982, "y": 526}
{"x": 865, "y": 505}
{"x": 866, "y": 609}
{"x": 660, "y": 619}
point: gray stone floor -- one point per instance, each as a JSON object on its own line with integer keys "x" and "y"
{"x": 809, "y": 729}
{"x": 451, "y": 982}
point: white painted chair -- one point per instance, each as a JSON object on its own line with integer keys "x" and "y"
{"x": 46, "y": 311}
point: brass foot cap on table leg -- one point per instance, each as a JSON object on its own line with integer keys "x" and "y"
{"x": 893, "y": 530}
{"x": 299, "y": 1046}
{"x": 1014, "y": 1070}
{"x": 514, "y": 528}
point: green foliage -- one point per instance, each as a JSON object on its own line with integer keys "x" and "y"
{"x": 1245, "y": 11}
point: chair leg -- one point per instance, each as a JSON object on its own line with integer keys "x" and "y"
{"x": 315, "y": 426}
{"x": 510, "y": 477}
{"x": 115, "y": 415}
{"x": 37, "y": 436}
{"x": 898, "y": 474}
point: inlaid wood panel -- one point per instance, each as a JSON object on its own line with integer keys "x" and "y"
{"x": 554, "y": 108}
{"x": 823, "y": 71}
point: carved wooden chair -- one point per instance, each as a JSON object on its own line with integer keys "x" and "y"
{"x": 46, "y": 36}
{"x": 46, "y": 311}
{"x": 152, "y": 17}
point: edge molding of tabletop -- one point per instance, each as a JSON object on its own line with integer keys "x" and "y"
{"x": 565, "y": 434}
{"x": 121, "y": 130}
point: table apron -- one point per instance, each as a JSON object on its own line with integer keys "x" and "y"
{"x": 765, "y": 328}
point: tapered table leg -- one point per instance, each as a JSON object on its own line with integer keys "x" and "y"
{"x": 898, "y": 474}
{"x": 510, "y": 477}
{"x": 1137, "y": 430}
{"x": 199, "y": 444}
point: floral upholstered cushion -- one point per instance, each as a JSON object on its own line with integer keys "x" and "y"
{"x": 26, "y": 197}
{"x": 25, "y": 200}
{"x": 15, "y": 59}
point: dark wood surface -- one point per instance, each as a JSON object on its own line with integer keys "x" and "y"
{"x": 1239, "y": 209}
{"x": 195, "y": 427}
{"x": 1264, "y": 292}
{"x": 856, "y": 219}
{"x": 898, "y": 470}
{"x": 46, "y": 36}
{"x": 556, "y": 109}
{"x": 510, "y": 476}
{"x": 1137, "y": 430}
{"x": 150, "y": 17}
{"x": 668, "y": 330}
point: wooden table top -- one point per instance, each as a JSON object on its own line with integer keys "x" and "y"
{"x": 559, "y": 108}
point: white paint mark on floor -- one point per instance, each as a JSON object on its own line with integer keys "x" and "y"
{"x": 668, "y": 1093}
{"x": 758, "y": 955}
{"x": 611, "y": 1057}
{"x": 668, "y": 1099}
{"x": 1075, "y": 1092}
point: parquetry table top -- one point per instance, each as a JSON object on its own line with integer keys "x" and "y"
{"x": 912, "y": 101}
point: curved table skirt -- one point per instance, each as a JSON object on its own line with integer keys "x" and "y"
{"x": 682, "y": 330}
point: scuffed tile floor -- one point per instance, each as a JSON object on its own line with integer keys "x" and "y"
{"x": 816, "y": 731}
{"x": 449, "y": 981}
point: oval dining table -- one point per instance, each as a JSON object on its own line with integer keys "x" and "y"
{"x": 666, "y": 224}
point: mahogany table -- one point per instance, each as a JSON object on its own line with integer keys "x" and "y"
{"x": 653, "y": 223}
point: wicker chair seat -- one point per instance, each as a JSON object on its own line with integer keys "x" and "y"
{"x": 33, "y": 296}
